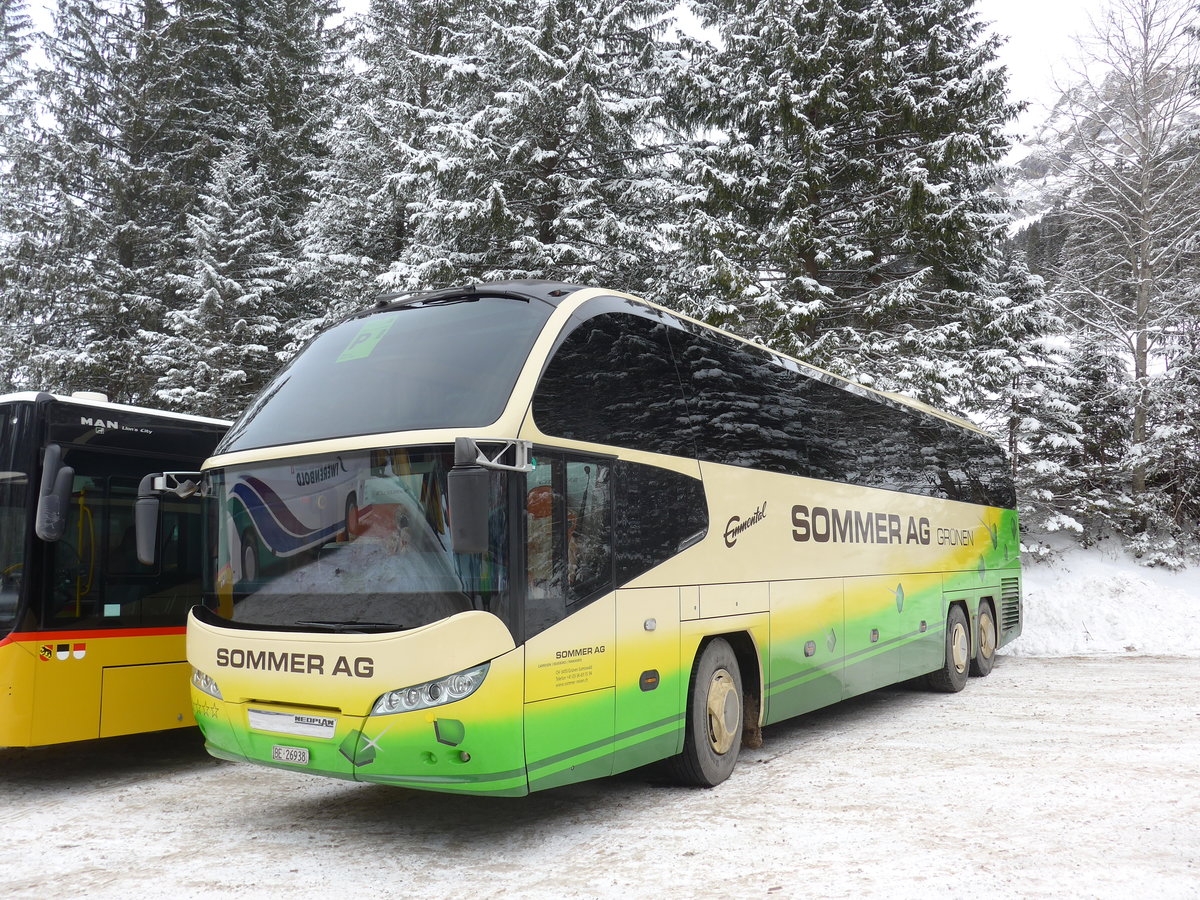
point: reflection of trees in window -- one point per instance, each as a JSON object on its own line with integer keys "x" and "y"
{"x": 664, "y": 385}
{"x": 613, "y": 382}
{"x": 657, "y": 512}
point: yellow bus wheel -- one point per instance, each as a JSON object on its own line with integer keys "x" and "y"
{"x": 952, "y": 676}
{"x": 985, "y": 655}
{"x": 713, "y": 727}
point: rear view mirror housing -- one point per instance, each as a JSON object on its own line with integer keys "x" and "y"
{"x": 145, "y": 521}
{"x": 470, "y": 492}
{"x": 54, "y": 496}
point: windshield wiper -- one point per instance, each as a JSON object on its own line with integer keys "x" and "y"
{"x": 353, "y": 627}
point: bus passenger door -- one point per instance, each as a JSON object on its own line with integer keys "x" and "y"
{"x": 569, "y": 622}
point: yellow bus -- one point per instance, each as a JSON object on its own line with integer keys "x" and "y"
{"x": 511, "y": 536}
{"x": 91, "y": 641}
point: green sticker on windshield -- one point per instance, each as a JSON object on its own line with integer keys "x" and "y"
{"x": 369, "y": 334}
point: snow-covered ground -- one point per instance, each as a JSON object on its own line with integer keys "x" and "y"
{"x": 1101, "y": 601}
{"x": 1073, "y": 770}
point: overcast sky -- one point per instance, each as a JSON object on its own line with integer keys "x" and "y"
{"x": 1040, "y": 36}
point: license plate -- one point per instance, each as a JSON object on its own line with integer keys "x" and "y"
{"x": 297, "y": 756}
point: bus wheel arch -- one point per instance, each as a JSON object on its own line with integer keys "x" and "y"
{"x": 952, "y": 676}
{"x": 985, "y": 639}
{"x": 724, "y": 674}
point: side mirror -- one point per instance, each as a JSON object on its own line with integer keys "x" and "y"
{"x": 55, "y": 495}
{"x": 470, "y": 492}
{"x": 145, "y": 521}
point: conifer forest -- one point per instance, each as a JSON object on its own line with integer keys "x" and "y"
{"x": 190, "y": 189}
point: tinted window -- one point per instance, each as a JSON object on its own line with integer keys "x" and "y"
{"x": 14, "y": 494}
{"x": 758, "y": 410}
{"x": 613, "y": 382}
{"x": 654, "y": 382}
{"x": 448, "y": 364}
{"x": 658, "y": 513}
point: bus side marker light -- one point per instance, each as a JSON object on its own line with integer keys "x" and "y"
{"x": 924, "y": 626}
{"x": 649, "y": 680}
{"x": 650, "y": 624}
{"x": 810, "y": 648}
{"x": 874, "y": 635}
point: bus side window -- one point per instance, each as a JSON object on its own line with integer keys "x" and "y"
{"x": 589, "y": 530}
{"x": 569, "y": 558}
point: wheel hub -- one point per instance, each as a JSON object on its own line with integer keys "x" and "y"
{"x": 960, "y": 647}
{"x": 724, "y": 711}
{"x": 987, "y": 635}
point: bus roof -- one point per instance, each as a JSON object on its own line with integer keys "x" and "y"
{"x": 556, "y": 292}
{"x": 93, "y": 403}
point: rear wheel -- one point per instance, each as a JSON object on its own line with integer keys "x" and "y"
{"x": 713, "y": 734}
{"x": 952, "y": 676}
{"x": 985, "y": 654}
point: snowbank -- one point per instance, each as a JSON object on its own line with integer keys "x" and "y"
{"x": 1100, "y": 601}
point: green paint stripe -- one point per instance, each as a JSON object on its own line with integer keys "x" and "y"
{"x": 808, "y": 674}
{"x": 815, "y": 671}
{"x": 603, "y": 742}
{"x": 514, "y": 775}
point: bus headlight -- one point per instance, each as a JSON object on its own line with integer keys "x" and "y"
{"x": 431, "y": 693}
{"x": 206, "y": 684}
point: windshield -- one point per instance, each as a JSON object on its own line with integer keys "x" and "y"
{"x": 14, "y": 489}
{"x": 448, "y": 364}
{"x": 354, "y": 542}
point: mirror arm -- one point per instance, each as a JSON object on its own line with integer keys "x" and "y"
{"x": 468, "y": 453}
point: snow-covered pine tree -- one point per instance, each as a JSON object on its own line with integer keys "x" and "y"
{"x": 395, "y": 123}
{"x": 223, "y": 338}
{"x": 15, "y": 98}
{"x": 556, "y": 176}
{"x": 844, "y": 205}
{"x": 18, "y": 198}
{"x": 1035, "y": 409}
{"x": 111, "y": 215}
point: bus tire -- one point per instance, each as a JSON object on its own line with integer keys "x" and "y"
{"x": 952, "y": 676}
{"x": 353, "y": 525}
{"x": 985, "y": 653}
{"x": 713, "y": 719}
{"x": 249, "y": 556}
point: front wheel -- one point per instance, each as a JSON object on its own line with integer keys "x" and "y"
{"x": 985, "y": 655}
{"x": 952, "y": 676}
{"x": 713, "y": 734}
